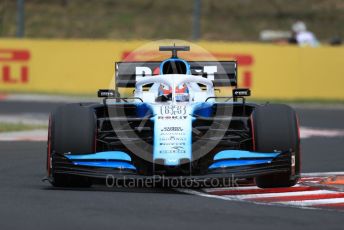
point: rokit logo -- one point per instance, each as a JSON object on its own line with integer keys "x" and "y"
{"x": 14, "y": 66}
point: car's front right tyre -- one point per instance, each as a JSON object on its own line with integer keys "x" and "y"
{"x": 72, "y": 129}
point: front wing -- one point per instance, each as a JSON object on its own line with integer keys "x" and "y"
{"x": 226, "y": 164}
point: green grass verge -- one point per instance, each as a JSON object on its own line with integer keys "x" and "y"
{"x": 11, "y": 127}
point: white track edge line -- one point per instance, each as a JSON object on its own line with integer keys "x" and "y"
{"x": 315, "y": 174}
{"x": 313, "y": 202}
{"x": 284, "y": 194}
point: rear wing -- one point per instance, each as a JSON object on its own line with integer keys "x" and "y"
{"x": 222, "y": 73}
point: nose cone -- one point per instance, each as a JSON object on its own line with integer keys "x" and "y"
{"x": 172, "y": 133}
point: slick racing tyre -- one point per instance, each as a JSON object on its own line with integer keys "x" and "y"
{"x": 72, "y": 128}
{"x": 275, "y": 127}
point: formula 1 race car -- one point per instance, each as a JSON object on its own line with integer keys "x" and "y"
{"x": 173, "y": 125}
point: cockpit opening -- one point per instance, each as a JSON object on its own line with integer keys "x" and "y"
{"x": 174, "y": 67}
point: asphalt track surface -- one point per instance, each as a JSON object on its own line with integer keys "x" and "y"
{"x": 28, "y": 203}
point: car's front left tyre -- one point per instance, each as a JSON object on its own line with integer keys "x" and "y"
{"x": 275, "y": 127}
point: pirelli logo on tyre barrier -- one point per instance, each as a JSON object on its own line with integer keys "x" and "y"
{"x": 14, "y": 64}
{"x": 84, "y": 66}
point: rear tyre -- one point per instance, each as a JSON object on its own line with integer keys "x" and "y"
{"x": 72, "y": 129}
{"x": 275, "y": 127}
